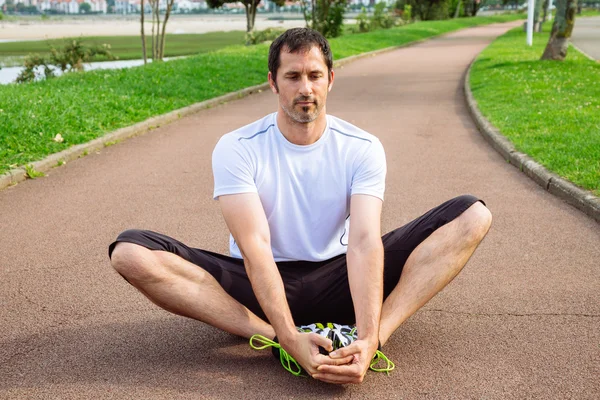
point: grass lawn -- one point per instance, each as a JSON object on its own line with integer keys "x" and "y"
{"x": 588, "y": 12}
{"x": 550, "y": 110}
{"x": 83, "y": 106}
{"x": 130, "y": 47}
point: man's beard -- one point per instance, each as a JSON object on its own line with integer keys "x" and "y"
{"x": 304, "y": 115}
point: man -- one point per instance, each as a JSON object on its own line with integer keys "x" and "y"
{"x": 301, "y": 193}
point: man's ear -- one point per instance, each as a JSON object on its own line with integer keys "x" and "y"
{"x": 272, "y": 83}
{"x": 330, "y": 81}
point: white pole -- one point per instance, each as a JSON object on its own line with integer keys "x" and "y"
{"x": 550, "y": 10}
{"x": 530, "y": 11}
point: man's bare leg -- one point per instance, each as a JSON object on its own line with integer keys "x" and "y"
{"x": 183, "y": 288}
{"x": 432, "y": 265}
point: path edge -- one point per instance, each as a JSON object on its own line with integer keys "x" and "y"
{"x": 581, "y": 199}
{"x": 16, "y": 175}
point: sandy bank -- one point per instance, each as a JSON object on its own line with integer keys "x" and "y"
{"x": 105, "y": 26}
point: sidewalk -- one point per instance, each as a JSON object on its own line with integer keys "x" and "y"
{"x": 586, "y": 35}
{"x": 522, "y": 320}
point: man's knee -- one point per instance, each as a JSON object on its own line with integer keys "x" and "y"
{"x": 133, "y": 262}
{"x": 476, "y": 221}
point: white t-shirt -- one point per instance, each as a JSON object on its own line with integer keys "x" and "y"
{"x": 304, "y": 190}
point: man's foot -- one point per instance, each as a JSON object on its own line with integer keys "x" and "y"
{"x": 340, "y": 335}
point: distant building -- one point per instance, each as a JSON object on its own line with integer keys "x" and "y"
{"x": 189, "y": 5}
{"x": 69, "y": 6}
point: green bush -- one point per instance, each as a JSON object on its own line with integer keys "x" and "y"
{"x": 68, "y": 59}
{"x": 1, "y": 16}
{"x": 362, "y": 21}
{"x": 325, "y": 16}
{"x": 381, "y": 17}
{"x": 426, "y": 10}
{"x": 407, "y": 14}
{"x": 267, "y": 35}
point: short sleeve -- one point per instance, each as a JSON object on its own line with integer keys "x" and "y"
{"x": 369, "y": 175}
{"x": 233, "y": 170}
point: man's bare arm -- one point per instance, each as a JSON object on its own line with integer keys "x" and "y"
{"x": 365, "y": 274}
{"x": 365, "y": 265}
{"x": 246, "y": 220}
{"x": 247, "y": 223}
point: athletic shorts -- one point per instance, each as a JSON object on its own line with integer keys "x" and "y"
{"x": 315, "y": 291}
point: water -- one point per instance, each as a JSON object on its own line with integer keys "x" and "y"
{"x": 9, "y": 75}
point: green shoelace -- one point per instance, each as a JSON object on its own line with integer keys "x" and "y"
{"x": 294, "y": 368}
{"x": 287, "y": 361}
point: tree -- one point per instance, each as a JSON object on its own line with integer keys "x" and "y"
{"x": 472, "y": 7}
{"x": 544, "y": 15}
{"x": 249, "y": 5}
{"x": 564, "y": 21}
{"x": 143, "y": 33}
{"x": 457, "y": 9}
{"x": 85, "y": 8}
{"x": 158, "y": 32}
{"x": 428, "y": 10}
{"x": 324, "y": 16}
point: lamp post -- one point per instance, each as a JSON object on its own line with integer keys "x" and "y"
{"x": 530, "y": 12}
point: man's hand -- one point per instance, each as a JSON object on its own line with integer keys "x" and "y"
{"x": 304, "y": 347}
{"x": 361, "y": 353}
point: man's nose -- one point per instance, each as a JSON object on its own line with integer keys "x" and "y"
{"x": 305, "y": 86}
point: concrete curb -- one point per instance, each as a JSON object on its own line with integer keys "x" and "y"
{"x": 581, "y": 199}
{"x": 17, "y": 175}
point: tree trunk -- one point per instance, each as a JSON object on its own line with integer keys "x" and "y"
{"x": 162, "y": 37}
{"x": 143, "y": 34}
{"x": 253, "y": 7}
{"x": 457, "y": 11}
{"x": 476, "y": 5}
{"x": 304, "y": 6}
{"x": 152, "y": 31}
{"x": 564, "y": 21}
{"x": 537, "y": 15}
{"x": 544, "y": 15}
{"x": 157, "y": 32}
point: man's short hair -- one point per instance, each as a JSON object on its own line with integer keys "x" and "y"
{"x": 298, "y": 40}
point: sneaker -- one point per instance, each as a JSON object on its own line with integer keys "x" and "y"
{"x": 340, "y": 335}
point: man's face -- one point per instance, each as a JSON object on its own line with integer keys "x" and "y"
{"x": 302, "y": 84}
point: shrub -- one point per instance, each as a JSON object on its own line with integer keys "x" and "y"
{"x": 325, "y": 16}
{"x": 68, "y": 59}
{"x": 407, "y": 14}
{"x": 362, "y": 21}
{"x": 267, "y": 35}
{"x": 382, "y": 18}
{"x": 426, "y": 10}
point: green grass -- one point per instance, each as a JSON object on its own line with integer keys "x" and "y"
{"x": 84, "y": 106}
{"x": 589, "y": 12}
{"x": 130, "y": 47}
{"x": 550, "y": 110}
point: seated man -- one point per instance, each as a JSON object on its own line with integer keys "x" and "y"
{"x": 301, "y": 192}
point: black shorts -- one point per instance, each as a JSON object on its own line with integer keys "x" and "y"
{"x": 316, "y": 291}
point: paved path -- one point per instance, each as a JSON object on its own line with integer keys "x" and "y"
{"x": 586, "y": 35}
{"x": 521, "y": 321}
